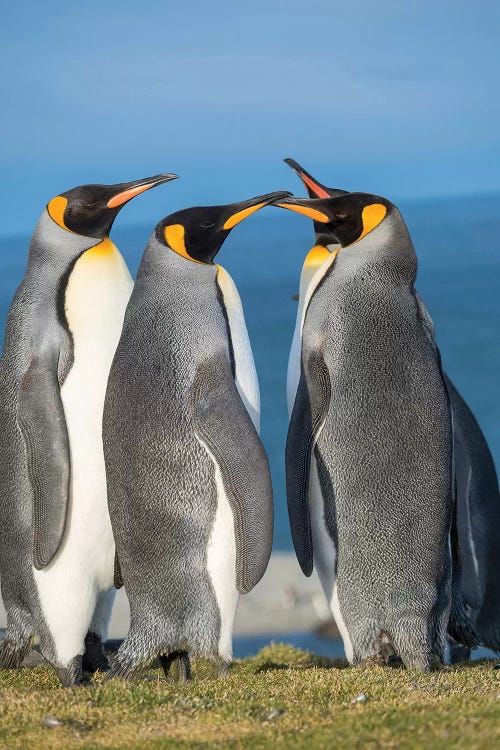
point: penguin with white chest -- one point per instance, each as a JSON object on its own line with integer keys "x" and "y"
{"x": 189, "y": 488}
{"x": 475, "y": 541}
{"x": 56, "y": 543}
{"x": 369, "y": 449}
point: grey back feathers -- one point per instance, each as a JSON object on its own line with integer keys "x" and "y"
{"x": 34, "y": 450}
{"x": 36, "y": 358}
{"x": 172, "y": 416}
{"x": 382, "y": 439}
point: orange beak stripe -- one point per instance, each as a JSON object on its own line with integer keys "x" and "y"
{"x": 240, "y": 215}
{"x": 312, "y": 213}
{"x": 121, "y": 198}
{"x": 319, "y": 191}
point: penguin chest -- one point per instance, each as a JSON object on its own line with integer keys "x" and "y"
{"x": 96, "y": 297}
{"x": 245, "y": 372}
{"x": 221, "y": 550}
{"x": 316, "y": 265}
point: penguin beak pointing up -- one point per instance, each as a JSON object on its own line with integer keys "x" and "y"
{"x": 314, "y": 188}
{"x": 131, "y": 189}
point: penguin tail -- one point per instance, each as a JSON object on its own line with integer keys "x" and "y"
{"x": 460, "y": 628}
{"x": 13, "y": 652}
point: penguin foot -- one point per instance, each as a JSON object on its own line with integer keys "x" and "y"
{"x": 72, "y": 675}
{"x": 13, "y": 652}
{"x": 458, "y": 652}
{"x": 372, "y": 661}
{"x": 223, "y": 669}
{"x": 94, "y": 658}
{"x": 183, "y": 664}
{"x": 394, "y": 661}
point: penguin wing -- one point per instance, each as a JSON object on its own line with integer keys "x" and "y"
{"x": 224, "y": 425}
{"x": 477, "y": 500}
{"x": 309, "y": 411}
{"x": 465, "y": 582}
{"x": 43, "y": 426}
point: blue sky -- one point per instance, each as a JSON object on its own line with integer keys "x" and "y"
{"x": 395, "y": 98}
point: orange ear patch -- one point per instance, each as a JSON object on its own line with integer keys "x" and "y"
{"x": 174, "y": 237}
{"x": 371, "y": 217}
{"x": 56, "y": 209}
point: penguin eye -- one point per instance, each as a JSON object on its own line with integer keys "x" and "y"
{"x": 341, "y": 215}
{"x": 207, "y": 225}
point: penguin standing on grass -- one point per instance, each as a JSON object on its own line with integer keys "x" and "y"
{"x": 369, "y": 448}
{"x": 56, "y": 543}
{"x": 477, "y": 498}
{"x": 189, "y": 488}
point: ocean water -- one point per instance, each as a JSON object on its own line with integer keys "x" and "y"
{"x": 458, "y": 246}
{"x": 333, "y": 648}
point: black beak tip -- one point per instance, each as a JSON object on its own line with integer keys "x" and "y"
{"x": 167, "y": 177}
{"x": 292, "y": 164}
{"x": 281, "y": 196}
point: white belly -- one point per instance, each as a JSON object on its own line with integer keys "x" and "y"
{"x": 221, "y": 550}
{"x": 221, "y": 563}
{"x": 315, "y": 267}
{"x": 246, "y": 374}
{"x": 96, "y": 298}
{"x": 325, "y": 554}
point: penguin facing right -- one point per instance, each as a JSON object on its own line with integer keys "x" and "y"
{"x": 189, "y": 488}
{"x": 56, "y": 544}
{"x": 369, "y": 448}
{"x": 477, "y": 496}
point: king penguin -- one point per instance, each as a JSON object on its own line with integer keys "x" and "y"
{"x": 369, "y": 448}
{"x": 189, "y": 488}
{"x": 56, "y": 543}
{"x": 477, "y": 497}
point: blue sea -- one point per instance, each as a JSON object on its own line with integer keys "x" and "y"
{"x": 458, "y": 246}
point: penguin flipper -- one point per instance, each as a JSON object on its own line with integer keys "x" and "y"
{"x": 43, "y": 426}
{"x": 224, "y": 425}
{"x": 309, "y": 410}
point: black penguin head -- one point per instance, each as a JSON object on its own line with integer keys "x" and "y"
{"x": 90, "y": 210}
{"x": 199, "y": 233}
{"x": 345, "y": 219}
{"x": 316, "y": 190}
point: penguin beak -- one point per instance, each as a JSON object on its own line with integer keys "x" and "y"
{"x": 128, "y": 190}
{"x": 314, "y": 188}
{"x": 239, "y": 211}
{"x": 312, "y": 208}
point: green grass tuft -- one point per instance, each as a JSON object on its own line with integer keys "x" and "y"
{"x": 282, "y": 697}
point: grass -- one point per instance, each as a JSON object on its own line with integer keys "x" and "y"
{"x": 281, "y": 698}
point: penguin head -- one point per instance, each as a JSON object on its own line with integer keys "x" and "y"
{"x": 198, "y": 233}
{"x": 346, "y": 218}
{"x": 316, "y": 190}
{"x": 90, "y": 210}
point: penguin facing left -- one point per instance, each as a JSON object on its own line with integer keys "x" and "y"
{"x": 56, "y": 543}
{"x": 189, "y": 488}
{"x": 369, "y": 448}
{"x": 477, "y": 496}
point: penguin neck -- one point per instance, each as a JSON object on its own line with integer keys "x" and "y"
{"x": 388, "y": 248}
{"x": 159, "y": 261}
{"x": 53, "y": 246}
